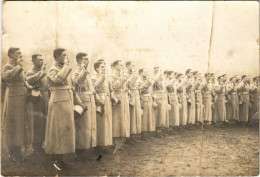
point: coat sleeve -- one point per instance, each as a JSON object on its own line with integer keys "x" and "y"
{"x": 179, "y": 88}
{"x": 117, "y": 83}
{"x": 218, "y": 88}
{"x": 76, "y": 99}
{"x": 57, "y": 76}
{"x": 253, "y": 89}
{"x": 79, "y": 77}
{"x": 203, "y": 87}
{"x": 196, "y": 85}
{"x": 145, "y": 85}
{"x": 132, "y": 81}
{"x": 229, "y": 88}
{"x": 157, "y": 78}
{"x": 10, "y": 73}
{"x": 34, "y": 78}
{"x": 241, "y": 86}
{"x": 99, "y": 81}
{"x": 189, "y": 86}
{"x": 170, "y": 83}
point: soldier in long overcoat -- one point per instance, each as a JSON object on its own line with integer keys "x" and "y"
{"x": 166, "y": 98}
{"x": 220, "y": 105}
{"x": 199, "y": 100}
{"x": 134, "y": 99}
{"x": 213, "y": 96}
{"x": 86, "y": 127}
{"x": 60, "y": 136}
{"x": 254, "y": 92}
{"x": 182, "y": 98}
{"x": 172, "y": 84}
{"x": 160, "y": 98}
{"x": 225, "y": 82}
{"x": 244, "y": 89}
{"x": 190, "y": 98}
{"x": 207, "y": 88}
{"x": 233, "y": 105}
{"x": 15, "y": 119}
{"x": 36, "y": 77}
{"x": 103, "y": 106}
{"x": 120, "y": 102}
{"x": 145, "y": 87}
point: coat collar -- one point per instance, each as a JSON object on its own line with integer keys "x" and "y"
{"x": 12, "y": 62}
{"x": 59, "y": 65}
{"x": 37, "y": 68}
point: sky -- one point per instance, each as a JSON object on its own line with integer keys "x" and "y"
{"x": 173, "y": 35}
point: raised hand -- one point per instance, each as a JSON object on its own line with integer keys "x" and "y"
{"x": 43, "y": 68}
{"x": 84, "y": 66}
{"x": 67, "y": 61}
{"x": 20, "y": 61}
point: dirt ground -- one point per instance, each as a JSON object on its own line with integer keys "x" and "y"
{"x": 226, "y": 150}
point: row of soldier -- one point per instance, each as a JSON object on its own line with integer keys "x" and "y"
{"x": 128, "y": 102}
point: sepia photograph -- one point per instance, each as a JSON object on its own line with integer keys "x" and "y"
{"x": 130, "y": 88}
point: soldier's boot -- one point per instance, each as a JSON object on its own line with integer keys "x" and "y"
{"x": 28, "y": 151}
{"x": 80, "y": 155}
{"x": 15, "y": 154}
{"x": 37, "y": 148}
{"x": 66, "y": 160}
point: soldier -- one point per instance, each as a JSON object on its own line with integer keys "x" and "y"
{"x": 103, "y": 106}
{"x": 254, "y": 91}
{"x": 174, "y": 119}
{"x": 134, "y": 99}
{"x": 120, "y": 105}
{"x": 166, "y": 95}
{"x": 36, "y": 77}
{"x": 198, "y": 97}
{"x": 233, "y": 105}
{"x": 159, "y": 95}
{"x": 239, "y": 94}
{"x": 224, "y": 80}
{"x": 190, "y": 97}
{"x": 244, "y": 88}
{"x": 60, "y": 127}
{"x": 220, "y": 105}
{"x": 183, "y": 98}
{"x": 15, "y": 101}
{"x": 207, "y": 88}
{"x": 228, "y": 100}
{"x": 213, "y": 81}
{"x": 145, "y": 87}
{"x": 86, "y": 127}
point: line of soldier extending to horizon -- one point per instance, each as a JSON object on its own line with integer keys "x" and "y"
{"x": 66, "y": 111}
